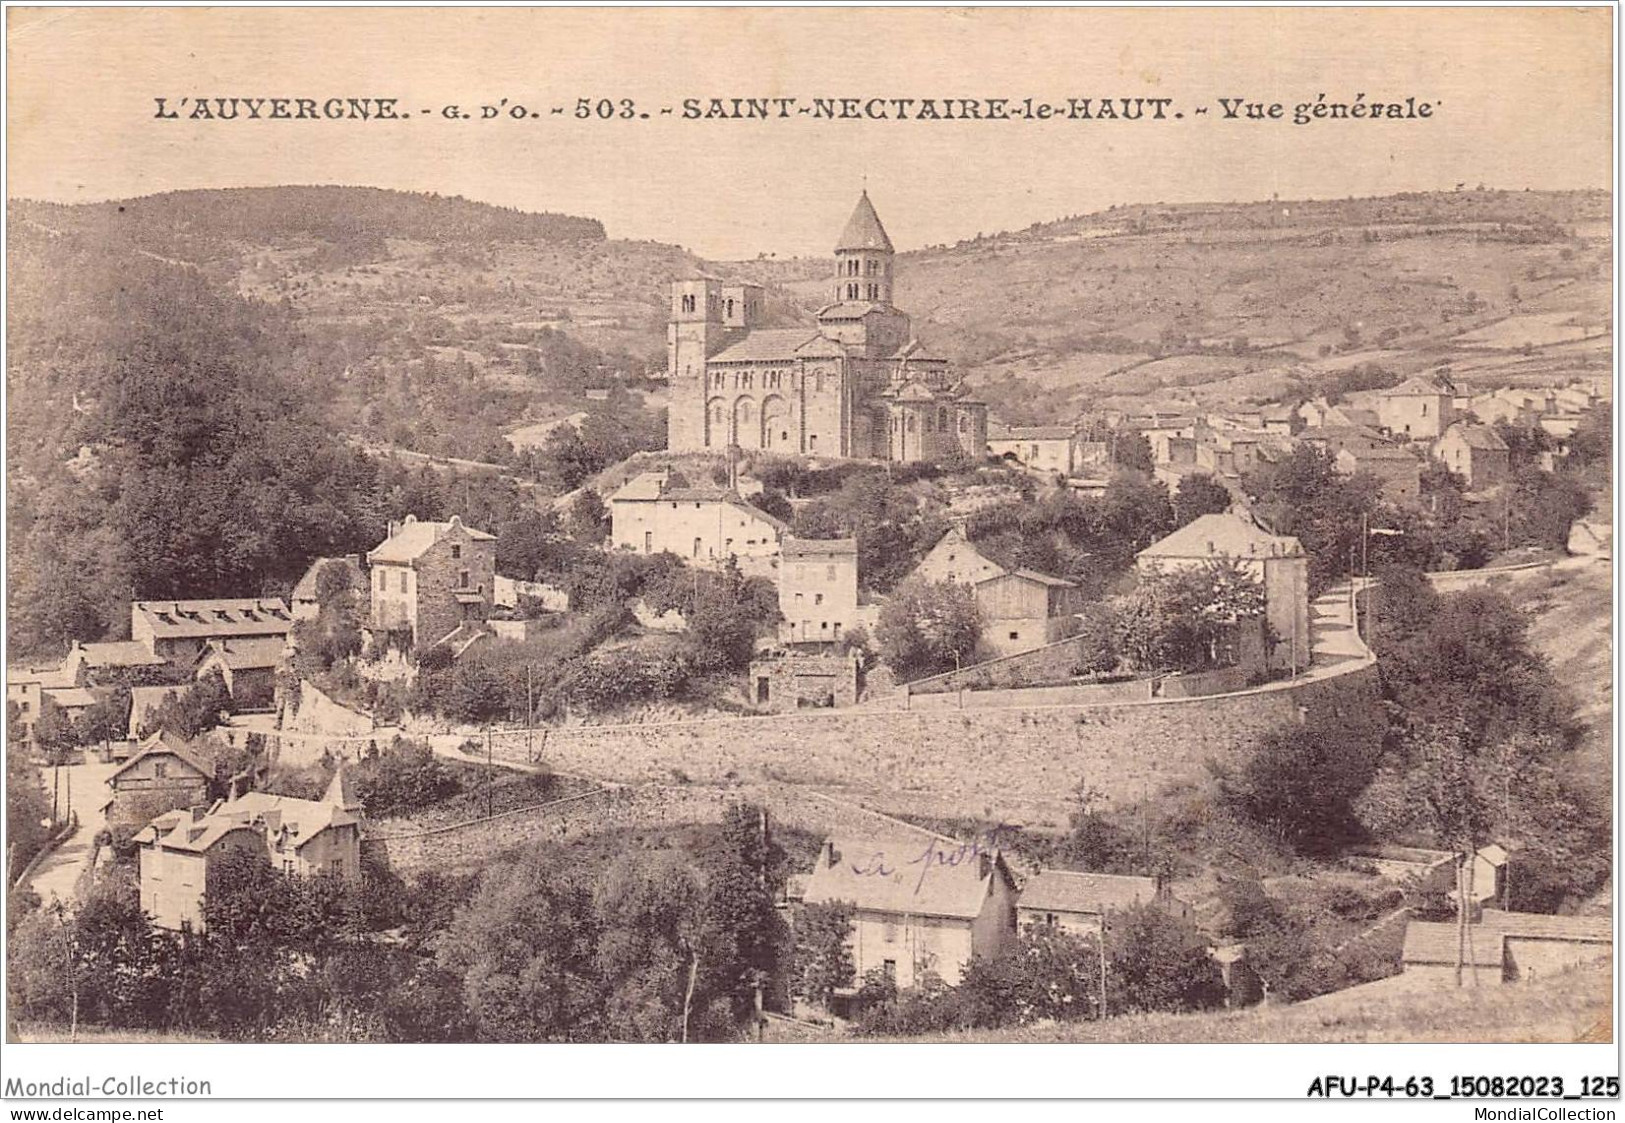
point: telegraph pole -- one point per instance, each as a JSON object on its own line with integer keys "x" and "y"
{"x": 1101, "y": 945}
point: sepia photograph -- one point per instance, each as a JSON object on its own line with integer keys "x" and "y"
{"x": 863, "y": 526}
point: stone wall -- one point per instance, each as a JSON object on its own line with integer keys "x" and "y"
{"x": 477, "y": 841}
{"x": 1018, "y": 764}
{"x": 1452, "y": 581}
{"x": 1055, "y": 662}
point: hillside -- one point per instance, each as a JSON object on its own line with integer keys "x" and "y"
{"x": 1240, "y": 302}
{"x": 1206, "y": 303}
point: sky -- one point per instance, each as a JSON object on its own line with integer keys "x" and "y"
{"x": 1522, "y": 98}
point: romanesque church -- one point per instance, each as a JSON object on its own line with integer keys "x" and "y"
{"x": 856, "y": 383}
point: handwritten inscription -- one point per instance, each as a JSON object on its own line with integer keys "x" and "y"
{"x": 936, "y": 855}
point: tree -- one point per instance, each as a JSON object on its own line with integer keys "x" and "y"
{"x": 192, "y": 711}
{"x": 928, "y": 627}
{"x": 1158, "y": 962}
{"x": 822, "y": 962}
{"x": 724, "y": 615}
{"x": 1097, "y": 640}
{"x": 526, "y": 950}
{"x": 745, "y": 938}
{"x": 650, "y": 910}
{"x": 27, "y": 809}
{"x": 1303, "y": 495}
{"x": 404, "y": 777}
{"x": 1300, "y": 783}
{"x": 1177, "y": 620}
{"x": 525, "y": 544}
{"x": 1045, "y": 973}
{"x": 1199, "y": 494}
{"x": 588, "y": 519}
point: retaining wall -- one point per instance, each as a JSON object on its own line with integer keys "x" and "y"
{"x": 1019, "y": 764}
{"x": 474, "y": 843}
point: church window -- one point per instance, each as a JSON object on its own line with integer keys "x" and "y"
{"x": 942, "y": 420}
{"x": 851, "y": 292}
{"x": 964, "y": 424}
{"x": 688, "y": 302}
{"x": 730, "y": 308}
{"x": 874, "y": 292}
{"x": 909, "y": 423}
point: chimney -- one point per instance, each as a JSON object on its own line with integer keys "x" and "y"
{"x": 394, "y": 528}
{"x": 984, "y": 865}
{"x": 831, "y": 855}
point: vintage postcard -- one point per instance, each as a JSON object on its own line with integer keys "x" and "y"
{"x": 810, "y": 526}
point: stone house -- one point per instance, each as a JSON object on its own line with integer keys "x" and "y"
{"x": 1080, "y": 902}
{"x": 1043, "y": 448}
{"x": 786, "y": 682}
{"x": 300, "y": 837}
{"x": 1025, "y": 609}
{"x": 955, "y": 558}
{"x": 26, "y": 687}
{"x": 921, "y": 904}
{"x": 1418, "y": 409}
{"x": 248, "y": 667}
{"x": 431, "y": 578}
{"x": 100, "y": 664}
{"x": 164, "y": 773}
{"x": 818, "y": 589}
{"x": 1398, "y": 471}
{"x": 1278, "y": 561}
{"x": 1476, "y": 453}
{"x": 179, "y": 631}
{"x": 703, "y": 525}
{"x": 1504, "y": 947}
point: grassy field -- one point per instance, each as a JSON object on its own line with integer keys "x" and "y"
{"x": 1573, "y": 1006}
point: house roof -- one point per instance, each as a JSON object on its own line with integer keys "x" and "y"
{"x": 917, "y": 352}
{"x": 863, "y": 230}
{"x": 1382, "y": 452}
{"x": 848, "y": 310}
{"x": 1089, "y": 893}
{"x": 915, "y": 876}
{"x": 1476, "y": 437}
{"x": 71, "y": 697}
{"x": 246, "y": 654}
{"x": 296, "y": 821}
{"x": 164, "y": 744}
{"x": 766, "y": 344}
{"x": 1430, "y": 942}
{"x": 643, "y": 486}
{"x": 1030, "y": 433}
{"x": 414, "y": 536}
{"x": 125, "y": 653}
{"x": 197, "y": 619}
{"x": 49, "y": 678}
{"x": 1225, "y": 535}
{"x": 1035, "y": 577}
{"x": 820, "y": 547}
{"x": 1545, "y": 926}
{"x": 1417, "y": 387}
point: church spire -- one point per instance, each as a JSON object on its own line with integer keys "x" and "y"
{"x": 863, "y": 258}
{"x": 863, "y": 230}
